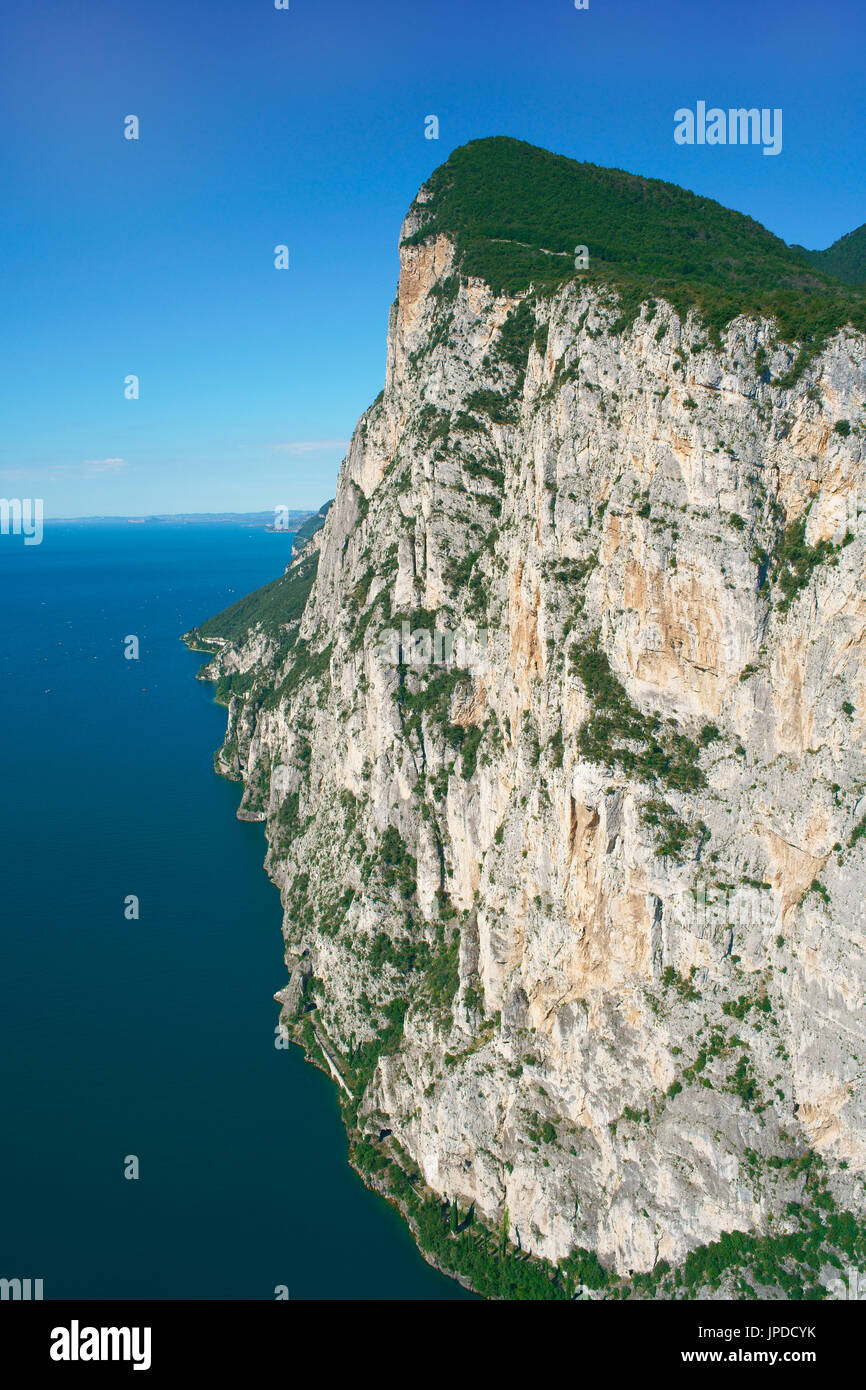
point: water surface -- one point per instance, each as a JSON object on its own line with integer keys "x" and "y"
{"x": 153, "y": 1037}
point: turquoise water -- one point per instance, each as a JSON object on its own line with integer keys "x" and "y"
{"x": 153, "y": 1037}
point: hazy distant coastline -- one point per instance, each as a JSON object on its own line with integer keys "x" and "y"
{"x": 292, "y": 520}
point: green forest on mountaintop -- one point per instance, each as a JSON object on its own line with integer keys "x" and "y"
{"x": 516, "y": 213}
{"x": 845, "y": 259}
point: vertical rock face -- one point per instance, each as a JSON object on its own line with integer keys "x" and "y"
{"x": 580, "y": 905}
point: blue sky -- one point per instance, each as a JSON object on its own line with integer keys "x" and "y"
{"x": 306, "y": 127}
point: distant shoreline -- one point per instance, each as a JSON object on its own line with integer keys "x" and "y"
{"x": 265, "y": 520}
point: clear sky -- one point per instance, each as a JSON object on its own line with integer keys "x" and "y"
{"x": 306, "y": 127}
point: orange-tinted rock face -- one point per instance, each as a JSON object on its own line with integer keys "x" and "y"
{"x": 629, "y": 495}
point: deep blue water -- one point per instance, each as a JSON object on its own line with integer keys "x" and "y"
{"x": 155, "y": 1037}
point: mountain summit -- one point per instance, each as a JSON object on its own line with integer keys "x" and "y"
{"x": 516, "y": 213}
{"x": 557, "y": 728}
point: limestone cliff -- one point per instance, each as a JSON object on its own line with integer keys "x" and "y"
{"x": 575, "y": 912}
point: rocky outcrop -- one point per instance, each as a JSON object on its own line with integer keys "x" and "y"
{"x": 581, "y": 909}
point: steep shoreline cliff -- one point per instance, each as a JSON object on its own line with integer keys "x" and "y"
{"x": 576, "y": 916}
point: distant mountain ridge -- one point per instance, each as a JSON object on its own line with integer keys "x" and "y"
{"x": 845, "y": 259}
{"x": 294, "y": 519}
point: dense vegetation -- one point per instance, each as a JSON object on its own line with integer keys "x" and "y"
{"x": 618, "y": 733}
{"x": 845, "y": 259}
{"x": 794, "y": 560}
{"x": 517, "y": 212}
{"x": 274, "y": 608}
{"x": 491, "y": 1264}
